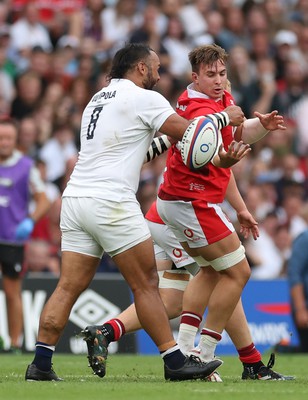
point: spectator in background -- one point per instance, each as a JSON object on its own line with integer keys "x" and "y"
{"x": 4, "y": 12}
{"x": 299, "y": 12}
{"x": 28, "y": 96}
{"x": 118, "y": 22}
{"x": 26, "y": 33}
{"x": 19, "y": 180}
{"x": 40, "y": 62}
{"x": 298, "y": 118}
{"x": 258, "y": 201}
{"x": 286, "y": 48}
{"x": 7, "y": 87}
{"x": 259, "y": 93}
{"x": 276, "y": 13}
{"x": 290, "y": 179}
{"x": 58, "y": 71}
{"x": 197, "y": 33}
{"x": 283, "y": 241}
{"x": 234, "y": 31}
{"x": 215, "y": 24}
{"x": 87, "y": 23}
{"x": 174, "y": 41}
{"x": 264, "y": 257}
{"x": 302, "y": 37}
{"x": 39, "y": 258}
{"x": 80, "y": 93}
{"x": 69, "y": 46}
{"x": 290, "y": 212}
{"x": 57, "y": 152}
{"x": 27, "y": 141}
{"x": 260, "y": 45}
{"x": 5, "y": 40}
{"x": 241, "y": 72}
{"x": 151, "y": 32}
{"x": 297, "y": 270}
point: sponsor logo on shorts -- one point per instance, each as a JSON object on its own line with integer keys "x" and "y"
{"x": 177, "y": 253}
{"x": 188, "y": 233}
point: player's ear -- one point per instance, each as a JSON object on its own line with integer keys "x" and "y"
{"x": 141, "y": 67}
{"x": 194, "y": 77}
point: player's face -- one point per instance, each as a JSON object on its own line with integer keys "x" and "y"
{"x": 151, "y": 76}
{"x": 7, "y": 141}
{"x": 211, "y": 80}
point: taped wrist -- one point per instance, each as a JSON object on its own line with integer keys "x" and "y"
{"x": 158, "y": 146}
{"x": 253, "y": 130}
{"x": 220, "y": 119}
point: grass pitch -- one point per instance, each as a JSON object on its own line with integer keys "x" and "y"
{"x": 141, "y": 378}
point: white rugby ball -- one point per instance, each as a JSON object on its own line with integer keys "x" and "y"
{"x": 199, "y": 143}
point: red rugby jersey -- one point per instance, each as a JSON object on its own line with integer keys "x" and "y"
{"x": 208, "y": 183}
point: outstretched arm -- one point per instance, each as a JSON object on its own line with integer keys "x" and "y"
{"x": 254, "y": 129}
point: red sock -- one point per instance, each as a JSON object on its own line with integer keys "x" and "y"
{"x": 249, "y": 354}
{"x": 190, "y": 318}
{"x": 118, "y": 328}
{"x": 211, "y": 333}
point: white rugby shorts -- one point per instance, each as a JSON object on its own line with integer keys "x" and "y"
{"x": 92, "y": 225}
{"x": 197, "y": 222}
{"x": 167, "y": 247}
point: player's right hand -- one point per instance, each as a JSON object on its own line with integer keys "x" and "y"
{"x": 235, "y": 114}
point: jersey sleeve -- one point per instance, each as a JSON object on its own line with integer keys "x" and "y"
{"x": 154, "y": 109}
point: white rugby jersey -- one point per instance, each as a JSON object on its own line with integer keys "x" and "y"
{"x": 117, "y": 128}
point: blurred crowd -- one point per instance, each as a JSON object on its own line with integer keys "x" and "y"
{"x": 55, "y": 54}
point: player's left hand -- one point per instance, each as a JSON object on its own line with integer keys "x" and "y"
{"x": 236, "y": 151}
{"x": 271, "y": 121}
{"x": 248, "y": 224}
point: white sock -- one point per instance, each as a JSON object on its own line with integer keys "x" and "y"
{"x": 186, "y": 337}
{"x": 207, "y": 347}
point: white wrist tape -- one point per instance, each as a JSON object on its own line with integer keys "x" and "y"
{"x": 158, "y": 146}
{"x": 253, "y": 130}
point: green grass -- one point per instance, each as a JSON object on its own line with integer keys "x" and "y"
{"x": 141, "y": 378}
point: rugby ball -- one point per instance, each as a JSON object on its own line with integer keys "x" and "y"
{"x": 199, "y": 143}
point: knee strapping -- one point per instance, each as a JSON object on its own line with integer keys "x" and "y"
{"x": 229, "y": 260}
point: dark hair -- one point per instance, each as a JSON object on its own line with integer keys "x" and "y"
{"x": 127, "y": 57}
{"x": 207, "y": 55}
